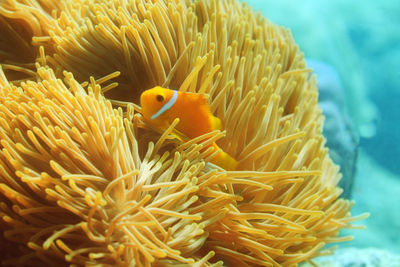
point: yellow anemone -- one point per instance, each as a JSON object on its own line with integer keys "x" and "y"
{"x": 88, "y": 184}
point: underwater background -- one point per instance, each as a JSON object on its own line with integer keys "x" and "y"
{"x": 354, "y": 48}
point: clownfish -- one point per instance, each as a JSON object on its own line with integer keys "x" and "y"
{"x": 160, "y": 107}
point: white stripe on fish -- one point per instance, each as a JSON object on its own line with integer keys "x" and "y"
{"x": 167, "y": 105}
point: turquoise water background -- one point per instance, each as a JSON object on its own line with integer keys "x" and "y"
{"x": 361, "y": 40}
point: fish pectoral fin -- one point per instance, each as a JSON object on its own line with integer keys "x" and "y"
{"x": 179, "y": 135}
{"x": 163, "y": 126}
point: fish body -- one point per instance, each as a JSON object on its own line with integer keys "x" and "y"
{"x": 160, "y": 107}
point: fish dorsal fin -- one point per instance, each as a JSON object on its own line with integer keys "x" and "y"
{"x": 205, "y": 97}
{"x": 201, "y": 99}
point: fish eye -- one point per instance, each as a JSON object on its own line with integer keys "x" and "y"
{"x": 160, "y": 98}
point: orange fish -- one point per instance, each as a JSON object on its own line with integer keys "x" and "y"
{"x": 160, "y": 106}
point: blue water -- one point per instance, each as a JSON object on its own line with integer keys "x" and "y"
{"x": 360, "y": 40}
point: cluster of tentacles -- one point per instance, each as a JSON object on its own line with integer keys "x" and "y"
{"x": 84, "y": 180}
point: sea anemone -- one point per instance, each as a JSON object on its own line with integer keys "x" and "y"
{"x": 86, "y": 183}
{"x": 74, "y": 186}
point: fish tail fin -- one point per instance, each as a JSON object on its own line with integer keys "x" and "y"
{"x": 216, "y": 123}
{"x": 224, "y": 160}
